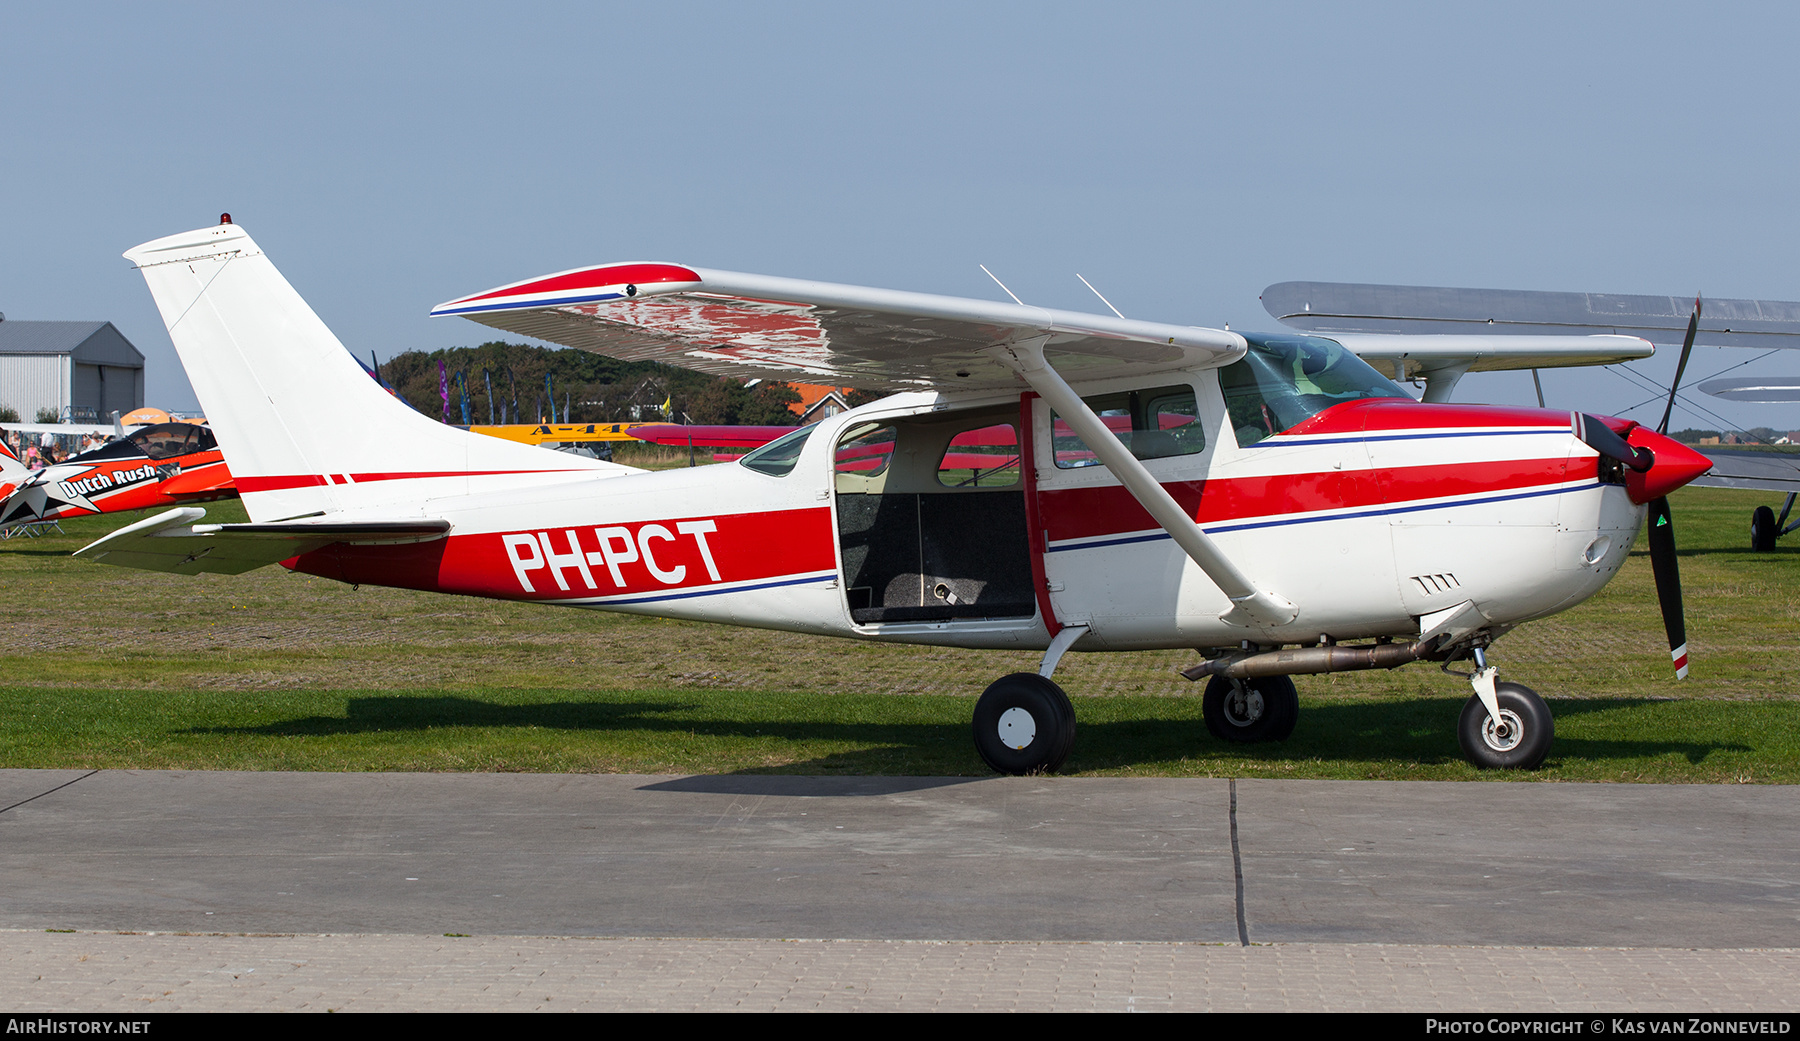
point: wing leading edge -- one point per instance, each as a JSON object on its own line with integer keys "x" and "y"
{"x": 743, "y": 326}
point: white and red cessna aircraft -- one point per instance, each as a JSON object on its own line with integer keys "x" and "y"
{"x": 1039, "y": 480}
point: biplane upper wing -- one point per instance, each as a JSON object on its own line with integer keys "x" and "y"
{"x": 172, "y": 542}
{"x": 744, "y": 326}
{"x": 1748, "y": 468}
{"x": 1403, "y": 355}
{"x": 1334, "y": 307}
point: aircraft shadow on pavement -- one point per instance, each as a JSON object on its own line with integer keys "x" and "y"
{"x": 1421, "y": 730}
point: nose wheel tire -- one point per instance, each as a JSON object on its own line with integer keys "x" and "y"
{"x": 1519, "y": 741}
{"x": 1262, "y": 709}
{"x": 1762, "y": 529}
{"x": 1024, "y": 724}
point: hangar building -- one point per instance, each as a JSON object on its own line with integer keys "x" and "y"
{"x": 85, "y": 371}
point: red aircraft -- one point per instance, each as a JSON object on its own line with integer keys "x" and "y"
{"x": 154, "y": 467}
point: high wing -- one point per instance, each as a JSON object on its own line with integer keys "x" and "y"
{"x": 1332, "y": 307}
{"x": 173, "y": 542}
{"x": 744, "y": 326}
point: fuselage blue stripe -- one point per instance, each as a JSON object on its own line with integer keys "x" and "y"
{"x": 823, "y": 576}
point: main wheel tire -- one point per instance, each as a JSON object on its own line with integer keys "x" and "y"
{"x": 1521, "y": 741}
{"x": 1762, "y": 529}
{"x": 1024, "y": 724}
{"x": 1261, "y": 709}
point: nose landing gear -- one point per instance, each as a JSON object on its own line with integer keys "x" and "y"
{"x": 1504, "y": 726}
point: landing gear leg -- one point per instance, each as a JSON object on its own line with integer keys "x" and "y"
{"x": 1504, "y": 725}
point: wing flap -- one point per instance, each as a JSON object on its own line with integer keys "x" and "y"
{"x": 172, "y": 542}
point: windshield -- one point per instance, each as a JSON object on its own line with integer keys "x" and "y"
{"x": 777, "y": 458}
{"x": 1283, "y": 381}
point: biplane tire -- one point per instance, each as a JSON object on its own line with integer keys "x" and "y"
{"x": 1024, "y": 724}
{"x": 1762, "y": 529}
{"x": 1267, "y": 710}
{"x": 1525, "y": 741}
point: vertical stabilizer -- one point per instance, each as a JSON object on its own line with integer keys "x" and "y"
{"x": 303, "y": 427}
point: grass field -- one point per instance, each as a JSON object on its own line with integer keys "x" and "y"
{"x": 107, "y": 667}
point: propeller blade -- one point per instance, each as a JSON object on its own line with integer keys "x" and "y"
{"x": 1600, "y": 437}
{"x": 1668, "y": 583}
{"x": 1687, "y": 347}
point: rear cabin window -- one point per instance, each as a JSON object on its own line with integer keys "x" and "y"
{"x": 1155, "y": 423}
{"x": 987, "y": 457}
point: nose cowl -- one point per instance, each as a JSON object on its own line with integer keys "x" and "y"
{"x": 1676, "y": 464}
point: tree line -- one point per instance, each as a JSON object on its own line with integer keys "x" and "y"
{"x": 501, "y": 382}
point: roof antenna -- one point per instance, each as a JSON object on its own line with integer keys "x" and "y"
{"x": 1001, "y": 284}
{"x": 1097, "y": 292}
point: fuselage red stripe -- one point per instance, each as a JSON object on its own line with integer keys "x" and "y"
{"x": 1079, "y": 513}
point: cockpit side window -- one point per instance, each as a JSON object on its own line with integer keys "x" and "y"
{"x": 866, "y": 450}
{"x": 777, "y": 458}
{"x": 168, "y": 440}
{"x": 1282, "y": 381}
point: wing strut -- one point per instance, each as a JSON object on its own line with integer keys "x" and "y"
{"x": 1252, "y": 606}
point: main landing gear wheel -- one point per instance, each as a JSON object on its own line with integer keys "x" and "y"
{"x": 1024, "y": 724}
{"x": 1762, "y": 529}
{"x": 1519, "y": 742}
{"x": 1262, "y": 709}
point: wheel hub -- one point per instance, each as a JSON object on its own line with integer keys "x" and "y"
{"x": 1017, "y": 728}
{"x": 1244, "y": 707}
{"x": 1505, "y": 735}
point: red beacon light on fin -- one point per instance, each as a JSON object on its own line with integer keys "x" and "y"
{"x": 224, "y": 218}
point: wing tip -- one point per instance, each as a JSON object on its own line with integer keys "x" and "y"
{"x": 584, "y": 285}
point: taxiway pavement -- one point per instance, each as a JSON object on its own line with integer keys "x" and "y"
{"x": 1063, "y": 862}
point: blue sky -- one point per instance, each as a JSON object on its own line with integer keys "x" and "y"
{"x": 1181, "y": 156}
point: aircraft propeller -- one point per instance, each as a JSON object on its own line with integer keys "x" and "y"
{"x": 1601, "y": 438}
{"x": 1662, "y": 528}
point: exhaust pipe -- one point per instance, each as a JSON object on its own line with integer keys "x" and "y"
{"x": 1305, "y": 661}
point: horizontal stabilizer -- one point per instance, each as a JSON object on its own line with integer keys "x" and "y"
{"x": 172, "y": 542}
